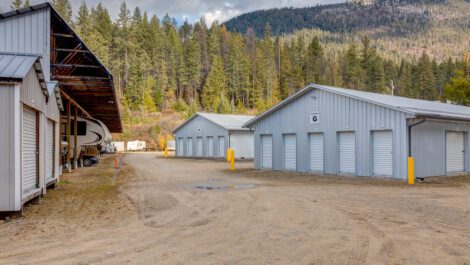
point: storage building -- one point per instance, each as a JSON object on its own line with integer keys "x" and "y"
{"x": 333, "y": 130}
{"x": 48, "y": 78}
{"x": 209, "y": 135}
{"x": 29, "y": 138}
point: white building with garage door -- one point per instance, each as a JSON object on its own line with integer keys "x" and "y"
{"x": 331, "y": 130}
{"x": 29, "y": 135}
{"x": 209, "y": 135}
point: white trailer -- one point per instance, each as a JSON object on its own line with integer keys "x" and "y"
{"x": 136, "y": 145}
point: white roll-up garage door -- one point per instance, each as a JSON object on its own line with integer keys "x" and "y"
{"x": 347, "y": 153}
{"x": 199, "y": 146}
{"x": 210, "y": 146}
{"x": 50, "y": 150}
{"x": 180, "y": 147}
{"x": 382, "y": 153}
{"x": 455, "y": 156}
{"x": 190, "y": 146}
{"x": 267, "y": 151}
{"x": 30, "y": 150}
{"x": 316, "y": 152}
{"x": 290, "y": 152}
{"x": 221, "y": 146}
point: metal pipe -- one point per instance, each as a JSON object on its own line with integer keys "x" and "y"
{"x": 409, "y": 134}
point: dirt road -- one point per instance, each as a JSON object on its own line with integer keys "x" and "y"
{"x": 161, "y": 212}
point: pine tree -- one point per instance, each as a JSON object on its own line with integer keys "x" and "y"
{"x": 314, "y": 62}
{"x": 213, "y": 96}
{"x": 64, "y": 8}
{"x": 458, "y": 89}
{"x": 16, "y": 4}
{"x": 425, "y": 79}
{"x": 26, "y": 3}
{"x": 352, "y": 68}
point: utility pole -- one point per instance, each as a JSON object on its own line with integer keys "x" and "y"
{"x": 392, "y": 87}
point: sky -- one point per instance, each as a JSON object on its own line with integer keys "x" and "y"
{"x": 191, "y": 9}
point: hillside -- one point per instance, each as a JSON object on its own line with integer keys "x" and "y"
{"x": 405, "y": 27}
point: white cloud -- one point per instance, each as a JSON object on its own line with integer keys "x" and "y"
{"x": 191, "y": 9}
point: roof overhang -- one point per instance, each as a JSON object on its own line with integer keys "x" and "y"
{"x": 78, "y": 70}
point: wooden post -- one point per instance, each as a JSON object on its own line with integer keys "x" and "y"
{"x": 67, "y": 134}
{"x": 75, "y": 140}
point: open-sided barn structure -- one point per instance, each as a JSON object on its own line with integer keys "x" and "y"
{"x": 340, "y": 131}
{"x": 209, "y": 135}
{"x": 48, "y": 78}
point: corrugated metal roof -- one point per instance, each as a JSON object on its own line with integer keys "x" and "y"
{"x": 412, "y": 106}
{"x": 231, "y": 122}
{"x": 16, "y": 66}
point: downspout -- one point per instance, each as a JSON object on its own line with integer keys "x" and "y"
{"x": 409, "y": 134}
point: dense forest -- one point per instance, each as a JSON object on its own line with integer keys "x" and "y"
{"x": 160, "y": 66}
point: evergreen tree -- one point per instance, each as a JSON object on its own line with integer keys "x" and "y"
{"x": 26, "y": 3}
{"x": 64, "y": 8}
{"x": 352, "y": 68}
{"x": 458, "y": 89}
{"x": 314, "y": 62}
{"x": 16, "y": 4}
{"x": 213, "y": 96}
{"x": 425, "y": 79}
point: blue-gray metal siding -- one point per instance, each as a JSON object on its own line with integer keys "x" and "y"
{"x": 28, "y": 33}
{"x": 208, "y": 128}
{"x": 428, "y": 143}
{"x": 337, "y": 113}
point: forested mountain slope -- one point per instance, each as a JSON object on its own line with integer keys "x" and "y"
{"x": 408, "y": 27}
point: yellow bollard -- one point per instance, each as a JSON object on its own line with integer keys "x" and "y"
{"x": 166, "y": 152}
{"x": 228, "y": 154}
{"x": 411, "y": 170}
{"x": 232, "y": 160}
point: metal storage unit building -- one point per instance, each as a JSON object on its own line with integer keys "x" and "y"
{"x": 42, "y": 62}
{"x": 342, "y": 131}
{"x": 29, "y": 138}
{"x": 209, "y": 135}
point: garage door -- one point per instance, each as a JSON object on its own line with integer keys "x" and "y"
{"x": 210, "y": 146}
{"x": 316, "y": 152}
{"x": 180, "y": 147}
{"x": 243, "y": 144}
{"x": 190, "y": 146}
{"x": 382, "y": 153}
{"x": 199, "y": 146}
{"x": 290, "y": 152}
{"x": 50, "y": 150}
{"x": 30, "y": 150}
{"x": 455, "y": 152}
{"x": 267, "y": 151}
{"x": 347, "y": 153}
{"x": 221, "y": 146}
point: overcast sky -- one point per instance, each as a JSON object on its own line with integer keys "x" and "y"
{"x": 191, "y": 9}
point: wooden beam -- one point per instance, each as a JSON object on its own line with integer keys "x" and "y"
{"x": 67, "y": 133}
{"x": 75, "y": 138}
{"x": 69, "y": 99}
{"x": 58, "y": 65}
{"x": 78, "y": 77}
{"x": 62, "y": 35}
{"x": 70, "y": 50}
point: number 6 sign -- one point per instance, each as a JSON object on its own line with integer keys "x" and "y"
{"x": 314, "y": 117}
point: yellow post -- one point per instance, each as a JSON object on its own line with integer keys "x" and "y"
{"x": 228, "y": 154}
{"x": 411, "y": 170}
{"x": 166, "y": 152}
{"x": 232, "y": 160}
